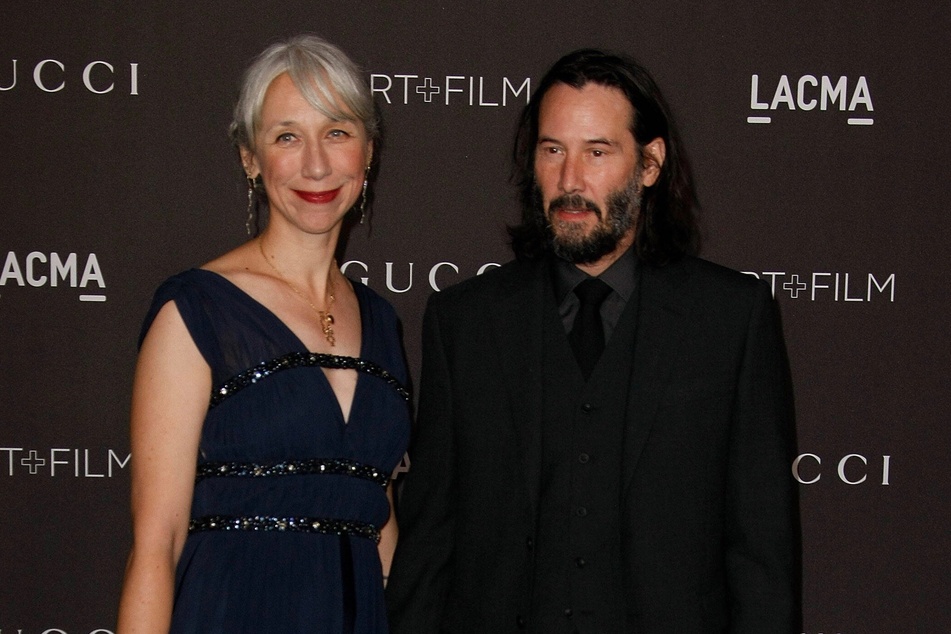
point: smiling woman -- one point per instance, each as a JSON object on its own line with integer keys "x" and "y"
{"x": 283, "y": 377}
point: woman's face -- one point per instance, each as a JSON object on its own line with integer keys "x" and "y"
{"x": 312, "y": 166}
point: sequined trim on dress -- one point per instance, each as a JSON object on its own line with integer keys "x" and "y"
{"x": 286, "y": 524}
{"x": 290, "y": 467}
{"x": 302, "y": 360}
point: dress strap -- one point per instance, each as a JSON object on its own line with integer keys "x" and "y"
{"x": 303, "y": 360}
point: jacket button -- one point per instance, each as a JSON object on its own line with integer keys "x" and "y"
{"x": 568, "y": 612}
{"x": 529, "y": 543}
{"x": 520, "y": 622}
{"x": 580, "y": 562}
{"x": 583, "y": 458}
{"x": 581, "y": 511}
{"x": 587, "y": 407}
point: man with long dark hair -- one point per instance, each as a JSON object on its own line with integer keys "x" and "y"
{"x": 605, "y": 424}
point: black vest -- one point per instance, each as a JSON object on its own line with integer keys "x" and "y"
{"x": 578, "y": 585}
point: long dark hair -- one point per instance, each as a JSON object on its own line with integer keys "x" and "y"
{"x": 667, "y": 226}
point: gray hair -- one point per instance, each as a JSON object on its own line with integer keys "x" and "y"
{"x": 319, "y": 70}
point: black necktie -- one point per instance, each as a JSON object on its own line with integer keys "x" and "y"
{"x": 587, "y": 333}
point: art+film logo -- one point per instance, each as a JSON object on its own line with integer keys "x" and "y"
{"x": 97, "y": 76}
{"x": 829, "y": 286}
{"x": 38, "y": 269}
{"x": 774, "y": 96}
{"x": 52, "y": 630}
{"x": 451, "y": 90}
{"x": 62, "y": 462}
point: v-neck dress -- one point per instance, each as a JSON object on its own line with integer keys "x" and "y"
{"x": 289, "y": 497}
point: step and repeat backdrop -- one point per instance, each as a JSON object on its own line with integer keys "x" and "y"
{"x": 820, "y": 141}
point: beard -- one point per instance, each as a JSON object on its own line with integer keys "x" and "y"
{"x": 574, "y": 243}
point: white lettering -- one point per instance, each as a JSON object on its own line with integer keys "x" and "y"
{"x": 389, "y": 278}
{"x": 87, "y": 72}
{"x": 92, "y": 273}
{"x": 62, "y": 269}
{"x": 783, "y": 94}
{"x": 54, "y": 461}
{"x": 115, "y": 458}
{"x": 795, "y": 468}
{"x": 11, "y": 269}
{"x": 346, "y": 265}
{"x": 385, "y": 91}
{"x": 38, "y": 79}
{"x": 755, "y": 103}
{"x": 450, "y": 78}
{"x": 526, "y": 85}
{"x": 86, "y": 470}
{"x": 134, "y": 79}
{"x": 30, "y": 259}
{"x": 831, "y": 94}
{"x": 846, "y": 292}
{"x": 482, "y": 101}
{"x": 801, "y": 94}
{"x": 886, "y": 468}
{"x": 841, "y": 469}
{"x": 816, "y": 284}
{"x": 871, "y": 280}
{"x": 861, "y": 95}
{"x": 485, "y": 267}
{"x": 432, "y": 273}
{"x": 14, "y": 82}
{"x": 10, "y": 451}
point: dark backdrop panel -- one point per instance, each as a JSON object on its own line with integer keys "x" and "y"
{"x": 117, "y": 173}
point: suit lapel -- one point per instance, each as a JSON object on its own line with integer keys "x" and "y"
{"x": 663, "y": 314}
{"x": 518, "y": 323}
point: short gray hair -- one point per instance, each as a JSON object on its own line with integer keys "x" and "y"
{"x": 319, "y": 70}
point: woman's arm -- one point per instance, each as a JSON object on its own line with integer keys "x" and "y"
{"x": 389, "y": 535}
{"x": 169, "y": 400}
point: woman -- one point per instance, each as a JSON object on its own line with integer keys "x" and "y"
{"x": 282, "y": 524}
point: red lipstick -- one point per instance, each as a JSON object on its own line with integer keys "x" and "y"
{"x": 318, "y": 197}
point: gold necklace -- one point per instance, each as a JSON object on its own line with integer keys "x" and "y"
{"x": 324, "y": 318}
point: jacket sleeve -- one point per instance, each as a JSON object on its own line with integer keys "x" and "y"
{"x": 762, "y": 510}
{"x": 422, "y": 569}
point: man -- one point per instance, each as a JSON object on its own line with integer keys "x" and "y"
{"x": 605, "y": 425}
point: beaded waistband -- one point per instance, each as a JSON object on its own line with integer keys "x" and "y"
{"x": 286, "y": 524}
{"x": 290, "y": 467}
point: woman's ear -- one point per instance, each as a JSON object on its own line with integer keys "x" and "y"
{"x": 249, "y": 162}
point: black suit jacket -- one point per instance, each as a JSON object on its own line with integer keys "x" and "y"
{"x": 709, "y": 513}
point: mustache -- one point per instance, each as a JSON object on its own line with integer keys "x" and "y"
{"x": 573, "y": 201}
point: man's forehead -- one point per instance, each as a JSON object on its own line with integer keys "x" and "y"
{"x": 593, "y": 109}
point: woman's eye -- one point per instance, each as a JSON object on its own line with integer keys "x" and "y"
{"x": 338, "y": 134}
{"x": 287, "y": 137}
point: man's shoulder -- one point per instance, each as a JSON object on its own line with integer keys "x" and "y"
{"x": 491, "y": 286}
{"x": 705, "y": 276}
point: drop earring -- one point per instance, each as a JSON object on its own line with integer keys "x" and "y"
{"x": 363, "y": 201}
{"x": 247, "y": 223}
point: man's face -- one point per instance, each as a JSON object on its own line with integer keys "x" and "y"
{"x": 587, "y": 171}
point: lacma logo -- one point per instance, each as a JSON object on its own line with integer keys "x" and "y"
{"x": 810, "y": 93}
{"x": 38, "y": 269}
{"x": 450, "y": 90}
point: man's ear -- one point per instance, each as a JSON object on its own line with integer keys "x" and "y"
{"x": 652, "y": 160}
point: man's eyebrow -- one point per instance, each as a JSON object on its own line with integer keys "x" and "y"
{"x": 595, "y": 141}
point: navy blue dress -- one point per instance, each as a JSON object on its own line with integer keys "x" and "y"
{"x": 289, "y": 497}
